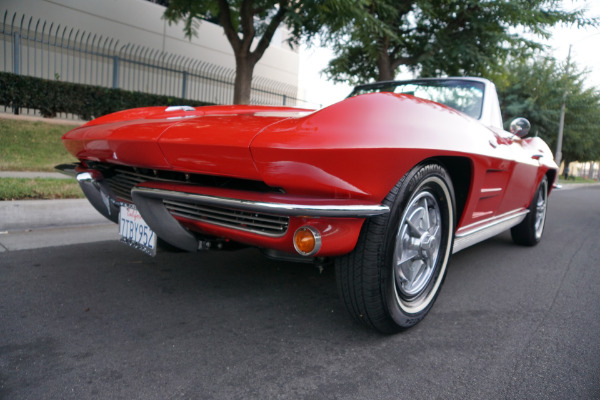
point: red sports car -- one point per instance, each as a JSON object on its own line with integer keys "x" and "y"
{"x": 387, "y": 183}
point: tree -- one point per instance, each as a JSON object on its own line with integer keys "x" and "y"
{"x": 249, "y": 26}
{"x": 534, "y": 90}
{"x": 436, "y": 37}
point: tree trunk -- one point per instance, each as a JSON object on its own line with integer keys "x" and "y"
{"x": 384, "y": 65}
{"x": 566, "y": 171}
{"x": 244, "y": 68}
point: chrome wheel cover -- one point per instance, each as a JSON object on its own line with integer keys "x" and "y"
{"x": 541, "y": 204}
{"x": 418, "y": 243}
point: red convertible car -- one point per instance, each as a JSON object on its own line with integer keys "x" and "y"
{"x": 387, "y": 183}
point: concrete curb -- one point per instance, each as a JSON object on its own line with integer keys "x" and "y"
{"x": 37, "y": 214}
{"x": 569, "y": 186}
{"x": 31, "y": 174}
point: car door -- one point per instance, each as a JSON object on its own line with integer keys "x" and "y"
{"x": 522, "y": 173}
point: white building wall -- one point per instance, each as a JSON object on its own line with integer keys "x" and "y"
{"x": 140, "y": 22}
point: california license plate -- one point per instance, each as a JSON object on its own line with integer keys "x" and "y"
{"x": 135, "y": 232}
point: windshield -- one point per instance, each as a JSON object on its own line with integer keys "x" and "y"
{"x": 462, "y": 95}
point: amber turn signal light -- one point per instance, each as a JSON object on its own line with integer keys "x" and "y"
{"x": 307, "y": 241}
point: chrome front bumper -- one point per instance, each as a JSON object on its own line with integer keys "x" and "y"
{"x": 154, "y": 206}
{"x": 97, "y": 192}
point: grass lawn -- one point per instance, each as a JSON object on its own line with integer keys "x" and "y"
{"x": 39, "y": 188}
{"x": 575, "y": 179}
{"x": 34, "y": 146}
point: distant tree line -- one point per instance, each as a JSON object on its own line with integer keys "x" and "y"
{"x": 535, "y": 88}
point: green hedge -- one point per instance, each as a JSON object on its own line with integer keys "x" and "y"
{"x": 53, "y": 97}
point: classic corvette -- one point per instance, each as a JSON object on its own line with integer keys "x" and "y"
{"x": 387, "y": 184}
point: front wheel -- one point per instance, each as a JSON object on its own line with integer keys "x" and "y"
{"x": 392, "y": 278}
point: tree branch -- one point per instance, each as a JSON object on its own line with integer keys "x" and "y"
{"x": 247, "y": 18}
{"x": 397, "y": 62}
{"x": 267, "y": 36}
{"x": 228, "y": 28}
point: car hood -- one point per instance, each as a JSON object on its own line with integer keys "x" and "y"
{"x": 208, "y": 140}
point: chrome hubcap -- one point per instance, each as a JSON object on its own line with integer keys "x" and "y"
{"x": 417, "y": 245}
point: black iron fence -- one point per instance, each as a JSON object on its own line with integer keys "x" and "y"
{"x": 35, "y": 47}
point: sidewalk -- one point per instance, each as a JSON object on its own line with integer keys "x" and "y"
{"x": 568, "y": 186}
{"x": 37, "y": 214}
{"x": 29, "y": 224}
{"x": 32, "y": 174}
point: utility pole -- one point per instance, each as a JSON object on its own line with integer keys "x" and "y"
{"x": 561, "y": 124}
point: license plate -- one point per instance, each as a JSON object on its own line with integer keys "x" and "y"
{"x": 134, "y": 231}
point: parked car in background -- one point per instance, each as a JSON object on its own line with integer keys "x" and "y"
{"x": 387, "y": 183}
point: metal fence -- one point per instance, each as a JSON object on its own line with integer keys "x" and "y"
{"x": 47, "y": 50}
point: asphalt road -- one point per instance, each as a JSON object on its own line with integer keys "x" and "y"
{"x": 103, "y": 321}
